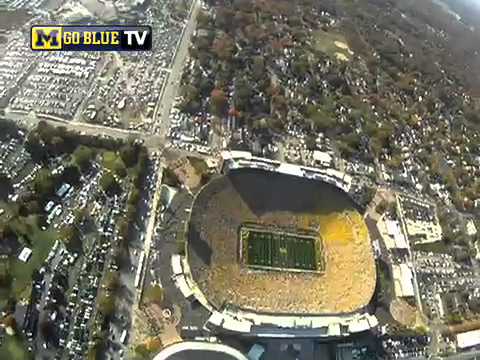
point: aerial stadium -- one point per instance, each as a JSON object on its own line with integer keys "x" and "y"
{"x": 272, "y": 243}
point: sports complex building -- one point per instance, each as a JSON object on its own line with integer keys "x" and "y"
{"x": 277, "y": 249}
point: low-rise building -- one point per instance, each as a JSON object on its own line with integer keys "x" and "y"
{"x": 403, "y": 280}
{"x": 468, "y": 339}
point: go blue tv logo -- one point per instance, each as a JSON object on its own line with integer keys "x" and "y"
{"x": 90, "y": 38}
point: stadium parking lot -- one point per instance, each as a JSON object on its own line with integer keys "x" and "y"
{"x": 173, "y": 221}
{"x": 56, "y": 85}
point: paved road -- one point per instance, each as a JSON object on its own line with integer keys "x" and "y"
{"x": 471, "y": 355}
{"x": 150, "y": 230}
{"x": 162, "y": 115}
{"x": 30, "y": 120}
{"x": 165, "y": 243}
{"x": 467, "y": 355}
{"x": 166, "y": 104}
{"x": 151, "y": 224}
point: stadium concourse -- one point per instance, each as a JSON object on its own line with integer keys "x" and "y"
{"x": 333, "y": 303}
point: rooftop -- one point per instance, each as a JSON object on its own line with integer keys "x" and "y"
{"x": 194, "y": 350}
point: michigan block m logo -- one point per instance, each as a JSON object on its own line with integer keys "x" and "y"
{"x": 46, "y": 38}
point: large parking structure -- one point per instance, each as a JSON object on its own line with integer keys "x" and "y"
{"x": 278, "y": 249}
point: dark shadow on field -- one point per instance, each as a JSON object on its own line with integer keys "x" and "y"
{"x": 198, "y": 246}
{"x": 265, "y": 192}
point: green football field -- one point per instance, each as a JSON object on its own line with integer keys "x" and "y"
{"x": 263, "y": 249}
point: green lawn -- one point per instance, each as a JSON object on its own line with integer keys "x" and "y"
{"x": 109, "y": 159}
{"x": 14, "y": 348}
{"x": 113, "y": 162}
{"x": 41, "y": 243}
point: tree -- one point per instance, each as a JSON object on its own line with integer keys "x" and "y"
{"x": 382, "y": 206}
{"x": 300, "y": 66}
{"x": 223, "y": 47}
{"x": 258, "y": 67}
{"x": 370, "y": 192}
{"x": 311, "y": 142}
{"x": 190, "y": 93}
{"x": 10, "y": 324}
{"x": 5, "y": 275}
{"x": 119, "y": 167}
{"x": 106, "y": 304}
{"x": 154, "y": 294}
{"x": 82, "y": 156}
{"x": 112, "y": 280}
{"x": 203, "y": 19}
{"x": 245, "y": 6}
{"x": 205, "y": 86}
{"x": 120, "y": 256}
{"x": 71, "y": 237}
{"x": 141, "y": 352}
{"x": 321, "y": 120}
{"x": 128, "y": 153}
{"x": 134, "y": 197}
{"x": 243, "y": 94}
{"x": 108, "y": 183}
{"x": 114, "y": 163}
{"x": 29, "y": 208}
{"x": 47, "y": 329}
{"x": 45, "y": 131}
{"x": 474, "y": 304}
{"x": 123, "y": 229}
{"x": 71, "y": 175}
{"x": 473, "y": 116}
{"x": 224, "y": 18}
{"x": 154, "y": 345}
{"x": 181, "y": 242}
{"x": 191, "y": 98}
{"x": 254, "y": 33}
{"x": 35, "y": 148}
{"x": 6, "y": 187}
{"x": 57, "y": 145}
{"x": 218, "y": 101}
{"x": 44, "y": 183}
{"x": 461, "y": 255}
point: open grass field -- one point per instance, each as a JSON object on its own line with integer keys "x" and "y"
{"x": 333, "y": 44}
{"x": 22, "y": 272}
{"x": 40, "y": 242}
{"x": 278, "y": 250}
{"x": 14, "y": 348}
{"x": 276, "y": 201}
